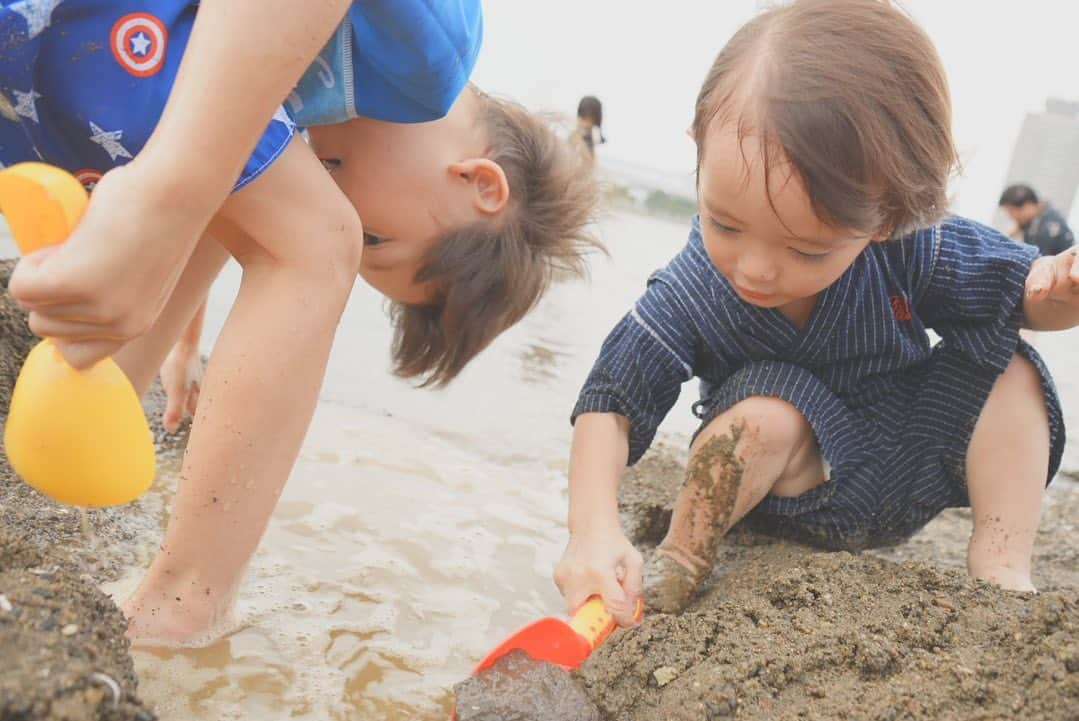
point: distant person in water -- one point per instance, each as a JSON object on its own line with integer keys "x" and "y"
{"x": 1040, "y": 223}
{"x": 589, "y": 124}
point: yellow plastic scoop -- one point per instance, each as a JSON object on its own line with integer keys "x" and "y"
{"x": 80, "y": 437}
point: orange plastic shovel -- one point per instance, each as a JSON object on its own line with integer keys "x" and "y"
{"x": 556, "y": 641}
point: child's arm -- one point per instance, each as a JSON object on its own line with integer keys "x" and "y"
{"x": 1052, "y": 293}
{"x": 599, "y": 557}
{"x": 243, "y": 58}
{"x": 633, "y": 384}
{"x": 971, "y": 285}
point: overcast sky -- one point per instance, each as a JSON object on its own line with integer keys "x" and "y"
{"x": 645, "y": 60}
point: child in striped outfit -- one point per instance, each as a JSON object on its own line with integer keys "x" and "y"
{"x": 820, "y": 258}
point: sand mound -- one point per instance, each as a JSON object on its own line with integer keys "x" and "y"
{"x": 785, "y": 632}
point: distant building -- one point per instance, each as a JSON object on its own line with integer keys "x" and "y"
{"x": 1046, "y": 154}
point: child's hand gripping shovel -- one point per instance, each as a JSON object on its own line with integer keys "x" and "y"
{"x": 80, "y": 437}
{"x": 556, "y": 641}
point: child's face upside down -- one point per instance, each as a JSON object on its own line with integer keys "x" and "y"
{"x": 767, "y": 241}
{"x": 410, "y": 184}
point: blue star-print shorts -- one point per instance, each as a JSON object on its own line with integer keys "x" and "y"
{"x": 83, "y": 82}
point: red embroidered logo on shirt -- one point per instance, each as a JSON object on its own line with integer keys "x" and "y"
{"x": 138, "y": 43}
{"x": 900, "y": 307}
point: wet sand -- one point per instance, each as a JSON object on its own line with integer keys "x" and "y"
{"x": 785, "y": 632}
{"x": 65, "y": 655}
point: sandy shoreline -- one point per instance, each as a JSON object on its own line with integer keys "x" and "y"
{"x": 781, "y": 631}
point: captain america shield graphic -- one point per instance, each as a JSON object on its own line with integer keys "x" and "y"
{"x": 138, "y": 43}
{"x": 88, "y": 177}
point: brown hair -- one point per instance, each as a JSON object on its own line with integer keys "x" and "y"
{"x": 853, "y": 95}
{"x": 490, "y": 274}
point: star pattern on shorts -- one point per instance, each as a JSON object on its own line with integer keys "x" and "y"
{"x": 140, "y": 44}
{"x": 37, "y": 13}
{"x": 109, "y": 140}
{"x": 26, "y": 105}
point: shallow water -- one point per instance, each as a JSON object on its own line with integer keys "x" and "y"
{"x": 418, "y": 528}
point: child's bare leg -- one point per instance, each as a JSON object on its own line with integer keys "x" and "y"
{"x": 141, "y": 358}
{"x": 759, "y": 446}
{"x": 1006, "y": 466}
{"x": 258, "y": 394}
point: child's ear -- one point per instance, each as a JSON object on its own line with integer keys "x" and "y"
{"x": 490, "y": 188}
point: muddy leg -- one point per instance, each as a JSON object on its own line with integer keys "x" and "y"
{"x": 760, "y": 446}
{"x": 1006, "y": 466}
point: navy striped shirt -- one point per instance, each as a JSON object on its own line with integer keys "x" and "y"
{"x": 866, "y": 339}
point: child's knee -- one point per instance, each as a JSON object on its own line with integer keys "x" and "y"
{"x": 346, "y": 246}
{"x": 326, "y": 262}
{"x": 772, "y": 424}
{"x": 338, "y": 253}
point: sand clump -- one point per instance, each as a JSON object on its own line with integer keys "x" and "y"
{"x": 781, "y": 631}
{"x": 65, "y": 655}
{"x": 518, "y": 688}
{"x": 797, "y": 634}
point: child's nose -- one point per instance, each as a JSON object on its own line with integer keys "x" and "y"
{"x": 757, "y": 266}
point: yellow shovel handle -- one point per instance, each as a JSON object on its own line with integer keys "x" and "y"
{"x": 594, "y": 622}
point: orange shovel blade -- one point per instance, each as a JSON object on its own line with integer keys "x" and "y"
{"x": 566, "y": 644}
{"x": 556, "y": 641}
{"x": 548, "y": 639}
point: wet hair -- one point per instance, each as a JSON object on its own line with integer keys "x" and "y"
{"x": 1018, "y": 195}
{"x": 851, "y": 96}
{"x": 590, "y": 107}
{"x": 489, "y": 274}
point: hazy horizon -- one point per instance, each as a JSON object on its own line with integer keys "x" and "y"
{"x": 645, "y": 62}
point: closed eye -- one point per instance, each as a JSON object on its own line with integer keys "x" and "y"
{"x": 811, "y": 256}
{"x": 721, "y": 227}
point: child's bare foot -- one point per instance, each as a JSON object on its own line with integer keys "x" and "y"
{"x": 670, "y": 581}
{"x": 1007, "y": 578}
{"x": 163, "y": 616}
